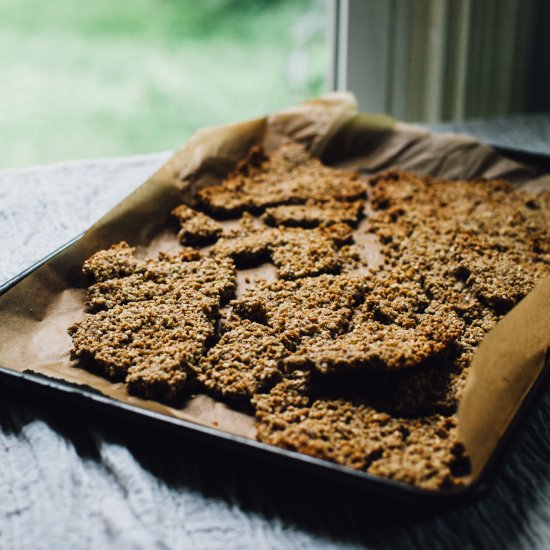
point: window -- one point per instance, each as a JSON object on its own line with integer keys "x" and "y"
{"x": 104, "y": 78}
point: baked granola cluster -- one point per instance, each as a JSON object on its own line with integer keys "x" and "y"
{"x": 289, "y": 175}
{"x": 477, "y": 246}
{"x": 423, "y": 451}
{"x": 360, "y": 366}
{"x": 150, "y": 320}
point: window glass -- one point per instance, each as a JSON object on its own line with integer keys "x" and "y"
{"x": 104, "y": 78}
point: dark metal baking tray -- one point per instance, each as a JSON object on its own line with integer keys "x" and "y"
{"x": 87, "y": 397}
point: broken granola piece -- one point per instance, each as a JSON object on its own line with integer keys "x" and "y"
{"x": 116, "y": 261}
{"x": 303, "y": 308}
{"x": 246, "y": 244}
{"x": 371, "y": 344}
{"x": 487, "y": 208}
{"x": 303, "y": 253}
{"x": 423, "y": 452}
{"x": 161, "y": 377}
{"x": 292, "y": 392}
{"x": 500, "y": 279}
{"x": 214, "y": 277}
{"x": 423, "y": 390}
{"x": 475, "y": 244}
{"x": 396, "y": 327}
{"x": 288, "y": 175}
{"x": 196, "y": 228}
{"x": 296, "y": 252}
{"x": 339, "y": 233}
{"x": 150, "y": 343}
{"x": 244, "y": 362}
{"x": 432, "y": 456}
{"x": 314, "y": 213}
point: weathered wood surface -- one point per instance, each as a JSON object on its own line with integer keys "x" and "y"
{"x": 70, "y": 480}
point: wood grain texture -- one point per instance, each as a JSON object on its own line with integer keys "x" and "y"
{"x": 70, "y": 479}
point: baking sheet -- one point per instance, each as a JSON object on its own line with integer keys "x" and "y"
{"x": 35, "y": 314}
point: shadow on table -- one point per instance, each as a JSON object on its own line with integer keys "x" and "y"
{"x": 328, "y": 511}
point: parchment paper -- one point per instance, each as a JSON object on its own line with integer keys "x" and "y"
{"x": 35, "y": 314}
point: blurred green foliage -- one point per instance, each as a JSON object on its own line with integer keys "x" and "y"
{"x": 104, "y": 78}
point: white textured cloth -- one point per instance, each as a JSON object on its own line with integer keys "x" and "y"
{"x": 70, "y": 480}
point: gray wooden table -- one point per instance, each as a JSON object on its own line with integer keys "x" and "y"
{"x": 71, "y": 480}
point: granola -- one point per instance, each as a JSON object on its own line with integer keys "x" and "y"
{"x": 288, "y": 175}
{"x": 196, "y": 228}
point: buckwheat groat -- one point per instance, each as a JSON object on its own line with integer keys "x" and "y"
{"x": 424, "y": 452}
{"x": 288, "y": 175}
{"x": 215, "y": 277}
{"x": 151, "y": 344}
{"x": 196, "y": 228}
{"x": 303, "y": 308}
{"x": 244, "y": 362}
{"x": 313, "y": 213}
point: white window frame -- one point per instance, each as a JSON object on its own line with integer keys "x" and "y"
{"x": 433, "y": 60}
